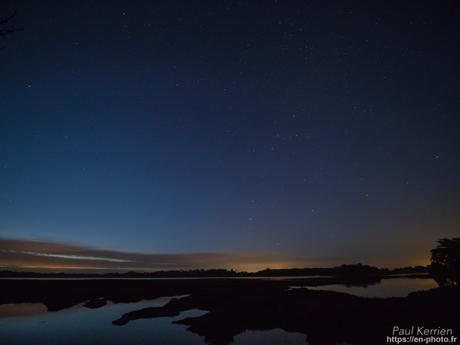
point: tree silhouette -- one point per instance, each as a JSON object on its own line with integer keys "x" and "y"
{"x": 445, "y": 262}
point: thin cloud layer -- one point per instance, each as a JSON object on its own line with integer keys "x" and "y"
{"x": 19, "y": 254}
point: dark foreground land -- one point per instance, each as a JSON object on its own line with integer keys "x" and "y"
{"x": 237, "y": 305}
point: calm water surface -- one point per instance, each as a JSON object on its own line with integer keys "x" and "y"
{"x": 31, "y": 324}
{"x": 395, "y": 287}
{"x": 79, "y": 325}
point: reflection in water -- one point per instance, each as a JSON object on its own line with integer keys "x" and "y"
{"x": 274, "y": 336}
{"x": 395, "y": 287}
{"x": 22, "y": 309}
{"x": 76, "y": 326}
{"x": 79, "y": 325}
{"x": 27, "y": 324}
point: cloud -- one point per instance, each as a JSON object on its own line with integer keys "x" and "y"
{"x": 69, "y": 256}
{"x": 21, "y": 254}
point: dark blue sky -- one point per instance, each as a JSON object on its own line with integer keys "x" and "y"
{"x": 317, "y": 131}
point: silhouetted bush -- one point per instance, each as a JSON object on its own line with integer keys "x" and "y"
{"x": 445, "y": 262}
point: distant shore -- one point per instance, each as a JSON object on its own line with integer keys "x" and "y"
{"x": 357, "y": 270}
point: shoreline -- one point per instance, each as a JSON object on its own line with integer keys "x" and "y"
{"x": 237, "y": 305}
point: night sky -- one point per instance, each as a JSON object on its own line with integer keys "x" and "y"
{"x": 302, "y": 133}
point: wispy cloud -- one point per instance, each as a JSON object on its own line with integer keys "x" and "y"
{"x": 68, "y": 256}
{"x": 26, "y": 254}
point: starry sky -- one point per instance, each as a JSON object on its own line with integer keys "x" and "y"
{"x": 279, "y": 133}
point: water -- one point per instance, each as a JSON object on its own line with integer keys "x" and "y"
{"x": 79, "y": 325}
{"x": 394, "y": 287}
{"x": 274, "y": 336}
{"x": 31, "y": 324}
